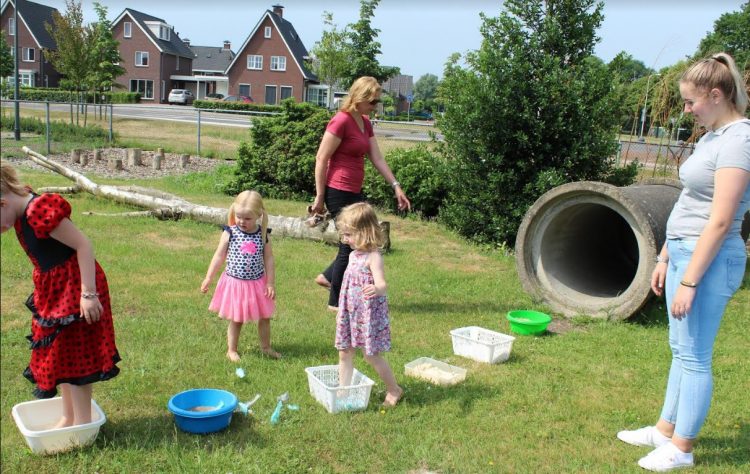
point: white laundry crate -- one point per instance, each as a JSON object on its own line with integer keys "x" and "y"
{"x": 36, "y": 418}
{"x": 481, "y": 344}
{"x": 324, "y": 387}
{"x": 435, "y": 371}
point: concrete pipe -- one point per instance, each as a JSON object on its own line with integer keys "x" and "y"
{"x": 588, "y": 248}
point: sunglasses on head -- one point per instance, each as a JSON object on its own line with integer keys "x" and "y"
{"x": 375, "y": 102}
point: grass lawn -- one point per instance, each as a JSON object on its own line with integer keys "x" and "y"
{"x": 554, "y": 407}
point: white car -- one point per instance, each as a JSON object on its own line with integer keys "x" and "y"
{"x": 180, "y": 96}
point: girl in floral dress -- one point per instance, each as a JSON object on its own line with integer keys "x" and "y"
{"x": 362, "y": 319}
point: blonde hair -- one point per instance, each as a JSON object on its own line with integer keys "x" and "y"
{"x": 9, "y": 180}
{"x": 253, "y": 202}
{"x": 364, "y": 89}
{"x": 361, "y": 221}
{"x": 719, "y": 72}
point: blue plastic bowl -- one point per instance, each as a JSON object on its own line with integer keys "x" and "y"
{"x": 202, "y": 410}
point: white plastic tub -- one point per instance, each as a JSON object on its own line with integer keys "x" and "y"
{"x": 324, "y": 387}
{"x": 35, "y": 420}
{"x": 482, "y": 344}
{"x": 435, "y": 371}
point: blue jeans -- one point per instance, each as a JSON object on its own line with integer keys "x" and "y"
{"x": 691, "y": 339}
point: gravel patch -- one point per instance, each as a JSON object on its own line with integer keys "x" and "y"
{"x": 170, "y": 165}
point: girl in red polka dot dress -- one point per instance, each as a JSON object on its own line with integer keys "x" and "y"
{"x": 72, "y": 336}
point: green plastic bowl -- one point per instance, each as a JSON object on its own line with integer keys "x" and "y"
{"x": 525, "y": 322}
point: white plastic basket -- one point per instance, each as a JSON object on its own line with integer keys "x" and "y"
{"x": 36, "y": 418}
{"x": 324, "y": 387}
{"x": 435, "y": 371}
{"x": 481, "y": 344}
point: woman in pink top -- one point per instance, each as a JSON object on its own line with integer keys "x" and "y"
{"x": 340, "y": 168}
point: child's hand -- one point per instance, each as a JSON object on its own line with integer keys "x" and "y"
{"x": 91, "y": 309}
{"x": 204, "y": 286}
{"x": 271, "y": 292}
{"x": 370, "y": 291}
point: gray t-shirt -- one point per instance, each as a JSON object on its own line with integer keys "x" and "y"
{"x": 726, "y": 147}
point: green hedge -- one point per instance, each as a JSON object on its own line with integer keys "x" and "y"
{"x": 218, "y": 104}
{"x": 60, "y": 95}
{"x": 59, "y": 131}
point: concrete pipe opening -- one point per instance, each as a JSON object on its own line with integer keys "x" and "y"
{"x": 588, "y": 248}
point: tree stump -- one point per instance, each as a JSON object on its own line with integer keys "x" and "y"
{"x": 156, "y": 163}
{"x": 114, "y": 164}
{"x": 97, "y": 156}
{"x": 84, "y": 159}
{"x": 385, "y": 228}
{"x": 134, "y": 157}
{"x": 160, "y": 151}
{"x": 75, "y": 155}
{"x": 184, "y": 160}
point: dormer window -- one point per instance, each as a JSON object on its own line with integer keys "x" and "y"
{"x": 164, "y": 32}
{"x": 160, "y": 30}
{"x": 267, "y": 32}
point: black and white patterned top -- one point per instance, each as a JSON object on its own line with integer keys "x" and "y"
{"x": 245, "y": 253}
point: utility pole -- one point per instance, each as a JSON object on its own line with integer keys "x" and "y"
{"x": 645, "y": 105}
{"x": 17, "y": 126}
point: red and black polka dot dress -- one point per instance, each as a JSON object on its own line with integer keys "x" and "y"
{"x": 64, "y": 348}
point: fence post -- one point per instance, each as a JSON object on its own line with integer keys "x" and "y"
{"x": 199, "y": 133}
{"x": 111, "y": 110}
{"x": 46, "y": 106}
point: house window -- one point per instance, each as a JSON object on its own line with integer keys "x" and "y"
{"x": 267, "y": 32}
{"x": 286, "y": 92}
{"x": 254, "y": 61}
{"x": 28, "y": 54}
{"x": 245, "y": 90}
{"x": 278, "y": 63}
{"x": 177, "y": 63}
{"x": 143, "y": 87}
{"x": 141, "y": 58}
{"x": 12, "y": 26}
{"x": 128, "y": 29}
{"x": 271, "y": 95}
{"x": 26, "y": 79}
{"x": 164, "y": 32}
{"x": 318, "y": 96}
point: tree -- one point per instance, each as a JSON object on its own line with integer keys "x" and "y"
{"x": 330, "y": 55}
{"x": 105, "y": 55}
{"x": 73, "y": 55}
{"x": 6, "y": 62}
{"x": 731, "y": 34}
{"x": 531, "y": 110}
{"x": 626, "y": 69}
{"x": 364, "y": 48}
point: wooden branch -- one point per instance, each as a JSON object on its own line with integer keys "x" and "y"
{"x": 161, "y": 214}
{"x": 60, "y": 189}
{"x": 156, "y": 200}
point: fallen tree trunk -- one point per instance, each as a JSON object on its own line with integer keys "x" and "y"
{"x": 158, "y": 202}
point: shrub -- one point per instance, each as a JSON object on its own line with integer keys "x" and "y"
{"x": 59, "y": 131}
{"x": 219, "y": 104}
{"x": 279, "y": 160}
{"x": 421, "y": 174}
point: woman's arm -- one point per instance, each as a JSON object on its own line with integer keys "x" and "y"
{"x": 220, "y": 255}
{"x": 270, "y": 266}
{"x": 379, "y": 288}
{"x": 68, "y": 234}
{"x": 328, "y": 146}
{"x": 729, "y": 186}
{"x": 376, "y": 157}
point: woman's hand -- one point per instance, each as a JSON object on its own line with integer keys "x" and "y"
{"x": 682, "y": 301}
{"x": 91, "y": 309}
{"x": 658, "y": 276}
{"x": 318, "y": 205}
{"x": 403, "y": 201}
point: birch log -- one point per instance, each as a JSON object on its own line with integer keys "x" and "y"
{"x": 153, "y": 199}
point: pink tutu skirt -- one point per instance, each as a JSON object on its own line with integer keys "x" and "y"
{"x": 241, "y": 300}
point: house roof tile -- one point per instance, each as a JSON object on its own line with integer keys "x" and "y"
{"x": 211, "y": 58}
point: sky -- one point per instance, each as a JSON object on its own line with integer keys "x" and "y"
{"x": 418, "y": 36}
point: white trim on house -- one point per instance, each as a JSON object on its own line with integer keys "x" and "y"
{"x": 126, "y": 12}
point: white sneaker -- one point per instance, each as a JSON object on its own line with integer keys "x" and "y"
{"x": 648, "y": 436}
{"x": 665, "y": 458}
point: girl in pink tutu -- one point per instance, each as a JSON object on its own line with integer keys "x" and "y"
{"x": 245, "y": 291}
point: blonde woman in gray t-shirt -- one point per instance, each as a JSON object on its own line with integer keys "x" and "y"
{"x": 703, "y": 260}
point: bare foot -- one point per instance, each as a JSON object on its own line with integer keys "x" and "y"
{"x": 271, "y": 353}
{"x": 63, "y": 423}
{"x": 233, "y": 356}
{"x": 392, "y": 399}
{"x": 322, "y": 281}
{"x": 335, "y": 309}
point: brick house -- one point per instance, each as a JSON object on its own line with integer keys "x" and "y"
{"x": 209, "y": 64}
{"x": 270, "y": 64}
{"x": 33, "y": 68}
{"x": 153, "y": 55}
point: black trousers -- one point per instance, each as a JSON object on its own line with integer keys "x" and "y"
{"x": 336, "y": 200}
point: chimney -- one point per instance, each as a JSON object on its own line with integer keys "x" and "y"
{"x": 227, "y": 45}
{"x": 279, "y": 10}
{"x": 186, "y": 41}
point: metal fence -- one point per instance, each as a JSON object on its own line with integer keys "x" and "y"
{"x": 659, "y": 158}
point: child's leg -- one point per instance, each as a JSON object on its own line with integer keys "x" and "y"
{"x": 264, "y": 333}
{"x": 81, "y": 395}
{"x": 67, "y": 400}
{"x": 233, "y": 338}
{"x": 346, "y": 366}
{"x": 393, "y": 391}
